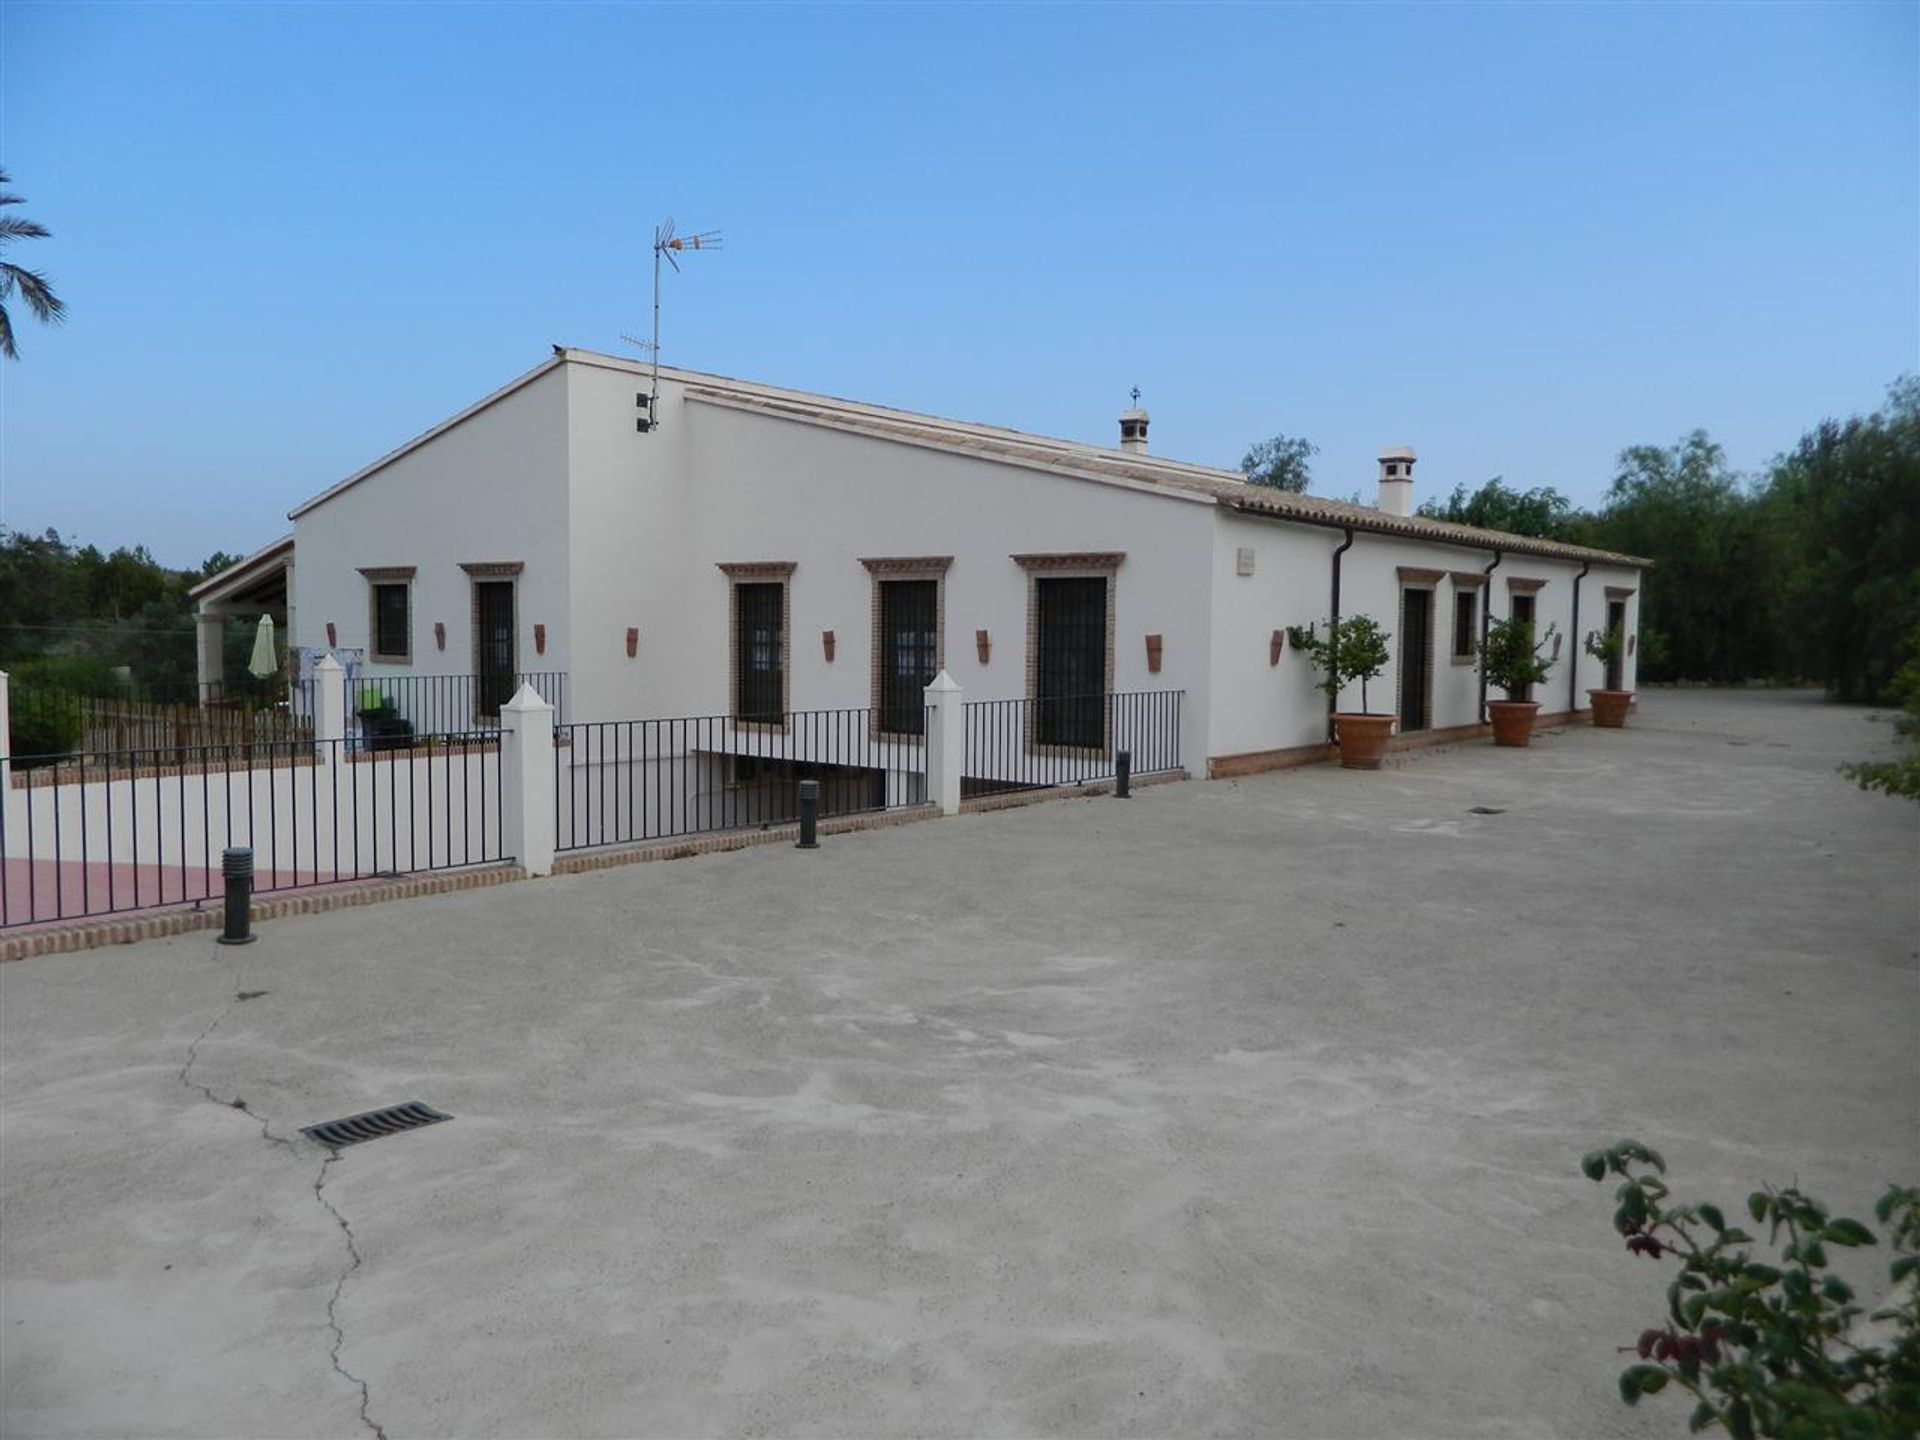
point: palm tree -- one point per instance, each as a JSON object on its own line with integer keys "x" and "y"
{"x": 32, "y": 285}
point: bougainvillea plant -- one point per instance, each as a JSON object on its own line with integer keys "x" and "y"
{"x": 1771, "y": 1348}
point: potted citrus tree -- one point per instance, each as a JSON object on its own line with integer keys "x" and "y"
{"x": 1609, "y": 706}
{"x": 1351, "y": 649}
{"x": 1511, "y": 659}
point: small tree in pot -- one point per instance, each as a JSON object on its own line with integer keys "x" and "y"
{"x": 1511, "y": 659}
{"x": 1354, "y": 648}
{"x": 1609, "y": 704}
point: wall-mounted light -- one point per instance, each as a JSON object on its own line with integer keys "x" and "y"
{"x": 826, "y": 645}
{"x": 539, "y": 639}
{"x": 1153, "y": 654}
{"x": 633, "y": 641}
{"x": 983, "y": 644}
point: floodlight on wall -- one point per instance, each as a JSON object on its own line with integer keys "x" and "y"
{"x": 667, "y": 245}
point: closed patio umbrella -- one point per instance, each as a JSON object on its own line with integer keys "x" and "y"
{"x": 264, "y": 662}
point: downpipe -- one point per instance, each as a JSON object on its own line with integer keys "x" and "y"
{"x": 1486, "y": 620}
{"x": 1573, "y": 646}
{"x": 1333, "y": 701}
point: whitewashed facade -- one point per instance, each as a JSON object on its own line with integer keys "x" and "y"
{"x": 622, "y": 549}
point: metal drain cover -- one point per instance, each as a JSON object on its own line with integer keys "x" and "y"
{"x": 373, "y": 1124}
{"x": 1484, "y": 810}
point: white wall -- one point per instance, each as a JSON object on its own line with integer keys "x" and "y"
{"x": 493, "y": 488}
{"x": 653, "y": 515}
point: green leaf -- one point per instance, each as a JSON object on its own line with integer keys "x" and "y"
{"x": 1757, "y": 1204}
{"x": 1846, "y": 1232}
{"x": 1638, "y": 1380}
{"x": 1903, "y": 1267}
{"x": 1836, "y": 1289}
{"x": 1736, "y": 1237}
{"x": 1765, "y": 1274}
{"x": 1711, "y": 1214}
{"x": 1594, "y": 1165}
{"x": 1703, "y": 1416}
{"x": 1691, "y": 1311}
{"x": 1654, "y": 1159}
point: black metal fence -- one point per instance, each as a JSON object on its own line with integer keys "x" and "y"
{"x": 126, "y": 831}
{"x": 384, "y": 707}
{"x": 1068, "y": 740}
{"x": 620, "y": 781}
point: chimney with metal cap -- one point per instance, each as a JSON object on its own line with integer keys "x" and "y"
{"x": 1133, "y": 425}
{"x": 1396, "y": 482}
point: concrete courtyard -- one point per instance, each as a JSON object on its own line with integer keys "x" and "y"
{"x": 1243, "y": 1107}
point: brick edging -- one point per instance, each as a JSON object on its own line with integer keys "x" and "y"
{"x": 98, "y": 930}
{"x": 1259, "y": 762}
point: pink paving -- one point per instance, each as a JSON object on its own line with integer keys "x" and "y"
{"x": 39, "y": 891}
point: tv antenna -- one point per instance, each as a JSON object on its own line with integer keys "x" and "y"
{"x": 667, "y": 245}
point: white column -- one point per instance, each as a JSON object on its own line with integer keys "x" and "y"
{"x": 946, "y": 740}
{"x": 6, "y": 742}
{"x": 329, "y": 704}
{"x": 527, "y": 820}
{"x": 209, "y": 657}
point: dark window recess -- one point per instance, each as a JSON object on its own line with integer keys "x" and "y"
{"x": 1070, "y": 668}
{"x": 493, "y": 659}
{"x": 1523, "y": 609}
{"x": 758, "y": 645}
{"x": 1617, "y": 666}
{"x": 1465, "y": 621}
{"x": 393, "y": 635}
{"x": 909, "y": 652}
{"x": 1416, "y": 654}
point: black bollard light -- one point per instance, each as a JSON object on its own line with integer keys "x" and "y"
{"x": 236, "y": 867}
{"x": 809, "y": 814}
{"x": 1122, "y": 774}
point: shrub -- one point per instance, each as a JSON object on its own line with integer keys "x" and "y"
{"x": 1771, "y": 1349}
{"x": 1352, "y": 649}
{"x": 1511, "y": 659}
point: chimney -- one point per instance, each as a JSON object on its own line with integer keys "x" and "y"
{"x": 1396, "y": 482}
{"x": 1133, "y": 426}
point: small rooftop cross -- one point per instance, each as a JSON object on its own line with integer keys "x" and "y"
{"x": 1136, "y": 395}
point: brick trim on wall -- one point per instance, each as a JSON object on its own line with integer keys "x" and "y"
{"x": 493, "y": 569}
{"x": 1524, "y": 585}
{"x": 1620, "y": 592}
{"x": 376, "y": 576}
{"x": 1086, "y": 561}
{"x": 1093, "y": 565}
{"x": 1467, "y": 579}
{"x": 1412, "y": 577}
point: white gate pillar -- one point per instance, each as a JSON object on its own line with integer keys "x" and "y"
{"x": 329, "y": 705}
{"x": 946, "y": 742}
{"x": 528, "y": 825}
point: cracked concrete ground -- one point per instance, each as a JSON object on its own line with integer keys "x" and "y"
{"x": 1239, "y": 1107}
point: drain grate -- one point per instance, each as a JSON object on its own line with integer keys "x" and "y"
{"x": 1484, "y": 810}
{"x": 375, "y": 1123}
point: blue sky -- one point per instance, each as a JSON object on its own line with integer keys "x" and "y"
{"x": 1516, "y": 238}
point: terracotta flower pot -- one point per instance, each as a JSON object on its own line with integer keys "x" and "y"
{"x": 1363, "y": 739}
{"x": 1610, "y": 707}
{"x": 1513, "y": 721}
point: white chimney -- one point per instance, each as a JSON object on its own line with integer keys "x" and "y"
{"x": 1396, "y": 482}
{"x": 1133, "y": 428}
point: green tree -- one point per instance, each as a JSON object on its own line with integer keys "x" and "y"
{"x": 1844, "y": 505}
{"x": 1280, "y": 463}
{"x": 1541, "y": 512}
{"x": 33, "y": 287}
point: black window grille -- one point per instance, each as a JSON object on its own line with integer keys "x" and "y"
{"x": 1466, "y": 621}
{"x": 392, "y": 631}
{"x": 759, "y": 660}
{"x": 1616, "y": 667}
{"x": 494, "y": 660}
{"x": 1070, "y": 666}
{"x": 1523, "y": 610}
{"x": 909, "y": 652}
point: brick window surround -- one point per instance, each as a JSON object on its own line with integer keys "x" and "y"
{"x": 760, "y": 572}
{"x": 1467, "y": 585}
{"x": 903, "y": 567}
{"x": 1066, "y": 565}
{"x": 376, "y": 577}
{"x": 485, "y": 705}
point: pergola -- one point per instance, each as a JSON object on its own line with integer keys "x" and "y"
{"x": 261, "y": 584}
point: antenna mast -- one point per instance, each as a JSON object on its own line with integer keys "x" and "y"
{"x": 666, "y": 244}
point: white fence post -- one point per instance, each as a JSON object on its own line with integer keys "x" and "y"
{"x": 946, "y": 740}
{"x": 6, "y": 740}
{"x": 528, "y": 825}
{"x": 329, "y": 705}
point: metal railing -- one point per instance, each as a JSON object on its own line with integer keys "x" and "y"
{"x": 52, "y": 720}
{"x": 135, "y": 830}
{"x": 389, "y": 707}
{"x": 620, "y": 781}
{"x": 1067, "y": 740}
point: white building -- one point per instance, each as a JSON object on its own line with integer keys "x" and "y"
{"x": 741, "y": 549}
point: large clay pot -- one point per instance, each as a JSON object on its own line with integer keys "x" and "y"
{"x": 1610, "y": 707}
{"x": 1513, "y": 721}
{"x": 1363, "y": 739}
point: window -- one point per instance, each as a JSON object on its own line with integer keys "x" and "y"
{"x": 1523, "y": 609}
{"x": 1466, "y": 624}
{"x": 759, "y": 652}
{"x": 1070, "y": 661}
{"x": 389, "y": 613}
{"x": 908, "y": 655}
